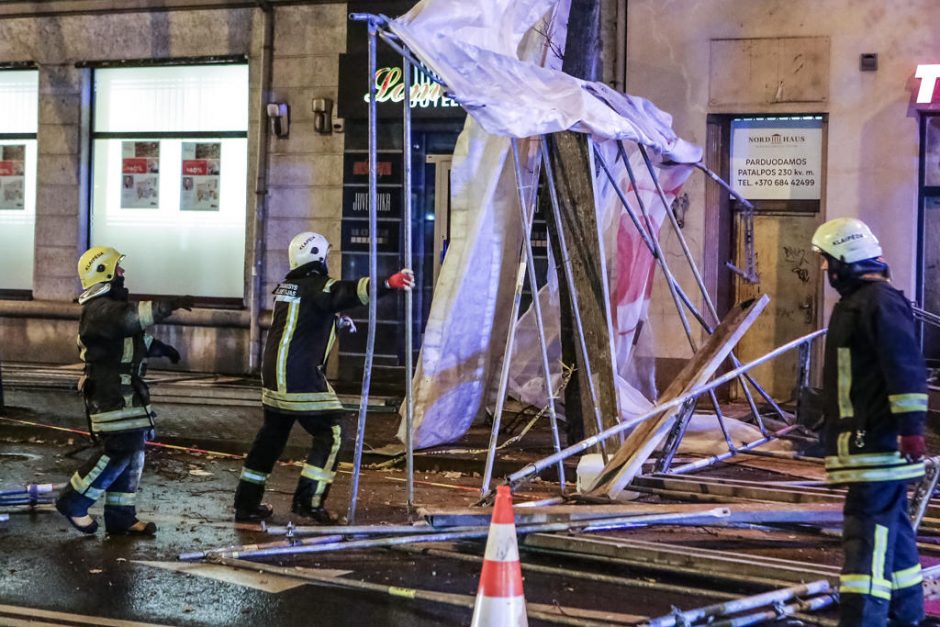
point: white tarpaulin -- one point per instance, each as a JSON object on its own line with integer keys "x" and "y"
{"x": 495, "y": 59}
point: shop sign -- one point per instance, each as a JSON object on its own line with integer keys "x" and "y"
{"x": 428, "y": 98}
{"x": 356, "y": 202}
{"x": 390, "y": 87}
{"x": 776, "y": 159}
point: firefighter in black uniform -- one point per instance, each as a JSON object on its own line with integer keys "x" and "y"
{"x": 114, "y": 344}
{"x": 294, "y": 387}
{"x": 875, "y": 394}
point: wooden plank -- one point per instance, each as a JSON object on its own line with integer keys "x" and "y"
{"x": 640, "y": 444}
{"x": 676, "y": 557}
{"x": 572, "y": 162}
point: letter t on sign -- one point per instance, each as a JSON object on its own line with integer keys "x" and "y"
{"x": 928, "y": 75}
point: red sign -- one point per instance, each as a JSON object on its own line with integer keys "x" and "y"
{"x": 195, "y": 167}
{"x": 7, "y": 169}
{"x": 135, "y": 166}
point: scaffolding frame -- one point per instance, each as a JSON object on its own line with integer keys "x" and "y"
{"x": 378, "y": 28}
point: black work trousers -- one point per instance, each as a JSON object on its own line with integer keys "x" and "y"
{"x": 319, "y": 469}
{"x": 881, "y": 582}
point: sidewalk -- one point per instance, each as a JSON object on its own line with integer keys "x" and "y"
{"x": 223, "y": 413}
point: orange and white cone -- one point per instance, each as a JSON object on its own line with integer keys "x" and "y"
{"x": 500, "y": 601}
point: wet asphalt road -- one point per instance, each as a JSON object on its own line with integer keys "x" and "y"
{"x": 46, "y": 564}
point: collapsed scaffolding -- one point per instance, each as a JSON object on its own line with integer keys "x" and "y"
{"x": 543, "y": 157}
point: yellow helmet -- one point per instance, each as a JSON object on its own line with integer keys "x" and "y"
{"x": 847, "y": 239}
{"x": 98, "y": 265}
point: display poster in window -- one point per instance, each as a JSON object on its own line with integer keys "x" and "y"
{"x": 202, "y": 167}
{"x": 777, "y": 159}
{"x": 12, "y": 176}
{"x": 140, "y": 175}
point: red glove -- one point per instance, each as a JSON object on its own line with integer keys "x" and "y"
{"x": 402, "y": 280}
{"x": 913, "y": 447}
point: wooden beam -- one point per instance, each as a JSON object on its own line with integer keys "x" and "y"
{"x": 640, "y": 444}
{"x": 572, "y": 161}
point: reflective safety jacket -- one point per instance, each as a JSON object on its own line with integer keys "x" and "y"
{"x": 875, "y": 386}
{"x": 114, "y": 344}
{"x": 303, "y": 329}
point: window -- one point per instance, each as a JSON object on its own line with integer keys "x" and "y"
{"x": 170, "y": 163}
{"x": 18, "y": 101}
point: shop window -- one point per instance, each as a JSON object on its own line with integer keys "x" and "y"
{"x": 18, "y": 102}
{"x": 170, "y": 157}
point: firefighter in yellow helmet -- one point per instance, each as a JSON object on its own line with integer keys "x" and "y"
{"x": 114, "y": 344}
{"x": 294, "y": 387}
{"x": 875, "y": 403}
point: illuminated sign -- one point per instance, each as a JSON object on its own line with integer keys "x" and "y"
{"x": 928, "y": 75}
{"x": 390, "y": 87}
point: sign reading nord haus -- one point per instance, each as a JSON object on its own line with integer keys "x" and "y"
{"x": 776, "y": 159}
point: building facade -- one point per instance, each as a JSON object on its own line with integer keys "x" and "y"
{"x": 150, "y": 129}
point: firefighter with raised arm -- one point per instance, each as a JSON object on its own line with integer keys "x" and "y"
{"x": 875, "y": 396}
{"x": 307, "y": 306}
{"x": 114, "y": 344}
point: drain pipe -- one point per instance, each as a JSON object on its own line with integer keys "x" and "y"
{"x": 262, "y": 166}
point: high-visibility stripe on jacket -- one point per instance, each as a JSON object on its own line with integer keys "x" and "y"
{"x": 303, "y": 330}
{"x": 875, "y": 386}
{"x": 113, "y": 344}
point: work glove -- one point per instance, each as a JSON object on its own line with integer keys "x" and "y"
{"x": 160, "y": 349}
{"x": 345, "y": 322}
{"x": 181, "y": 302}
{"x": 404, "y": 279}
{"x": 913, "y": 447}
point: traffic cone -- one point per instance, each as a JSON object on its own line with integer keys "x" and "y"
{"x": 500, "y": 601}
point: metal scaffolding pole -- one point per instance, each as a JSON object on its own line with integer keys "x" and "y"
{"x": 736, "y": 606}
{"x": 565, "y": 260}
{"x": 532, "y": 469}
{"x": 409, "y": 300}
{"x": 373, "y": 278}
{"x": 526, "y": 217}
{"x": 507, "y": 356}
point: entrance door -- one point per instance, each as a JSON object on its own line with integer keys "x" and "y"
{"x": 789, "y": 274}
{"x": 776, "y": 162}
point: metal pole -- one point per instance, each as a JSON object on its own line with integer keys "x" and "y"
{"x": 373, "y": 287}
{"x": 709, "y": 461}
{"x": 504, "y": 369}
{"x": 236, "y": 550}
{"x": 774, "y": 615}
{"x": 409, "y": 300}
{"x": 737, "y": 606}
{"x": 625, "y": 522}
{"x": 534, "y": 468}
{"x": 565, "y": 261}
{"x": 700, "y": 282}
{"x": 526, "y": 217}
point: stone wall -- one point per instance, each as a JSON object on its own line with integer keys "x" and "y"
{"x": 304, "y": 189}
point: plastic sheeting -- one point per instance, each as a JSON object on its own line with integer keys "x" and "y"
{"x": 495, "y": 59}
{"x": 472, "y": 47}
{"x": 630, "y": 271}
